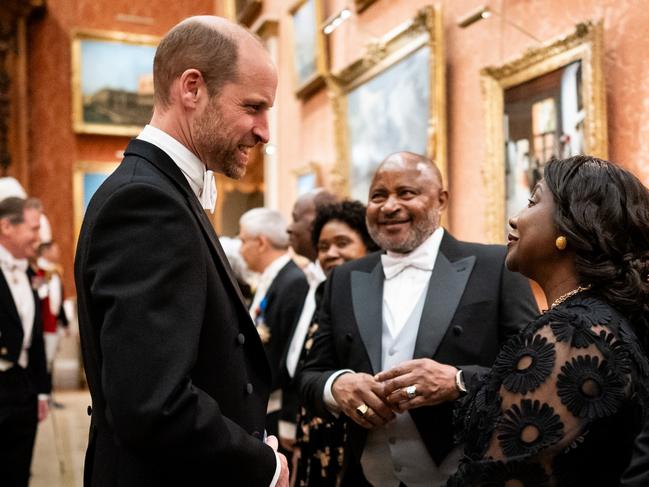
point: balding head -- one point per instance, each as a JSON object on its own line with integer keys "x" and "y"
{"x": 210, "y": 44}
{"x": 403, "y": 160}
{"x": 405, "y": 202}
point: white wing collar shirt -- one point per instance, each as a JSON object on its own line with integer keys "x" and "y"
{"x": 199, "y": 178}
{"x": 15, "y": 273}
{"x": 406, "y": 278}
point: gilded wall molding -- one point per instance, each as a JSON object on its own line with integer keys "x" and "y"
{"x": 583, "y": 44}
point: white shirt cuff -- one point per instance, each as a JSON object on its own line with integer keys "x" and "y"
{"x": 328, "y": 396}
{"x": 43, "y": 397}
{"x": 278, "y": 470}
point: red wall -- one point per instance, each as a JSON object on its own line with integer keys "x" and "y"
{"x": 53, "y": 146}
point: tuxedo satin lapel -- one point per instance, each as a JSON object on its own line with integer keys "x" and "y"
{"x": 164, "y": 163}
{"x": 367, "y": 300}
{"x": 7, "y": 298}
{"x": 446, "y": 286}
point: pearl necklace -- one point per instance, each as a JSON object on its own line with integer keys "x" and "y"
{"x": 567, "y": 295}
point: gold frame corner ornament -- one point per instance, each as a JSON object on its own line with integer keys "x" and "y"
{"x": 79, "y": 35}
{"x": 425, "y": 28}
{"x": 585, "y": 44}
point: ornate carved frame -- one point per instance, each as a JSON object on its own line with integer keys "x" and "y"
{"x": 424, "y": 29}
{"x": 585, "y": 45}
{"x": 80, "y": 126}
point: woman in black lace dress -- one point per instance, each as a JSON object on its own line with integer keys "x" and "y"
{"x": 566, "y": 398}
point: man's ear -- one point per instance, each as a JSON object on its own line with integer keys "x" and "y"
{"x": 191, "y": 85}
{"x": 264, "y": 243}
{"x": 5, "y": 226}
{"x": 443, "y": 199}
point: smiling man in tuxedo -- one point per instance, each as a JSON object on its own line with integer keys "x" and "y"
{"x": 24, "y": 382}
{"x": 404, "y": 333}
{"x": 177, "y": 373}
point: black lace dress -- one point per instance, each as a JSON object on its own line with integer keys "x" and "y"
{"x": 562, "y": 404}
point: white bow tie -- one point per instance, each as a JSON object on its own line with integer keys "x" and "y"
{"x": 394, "y": 265}
{"x": 208, "y": 193}
{"x": 15, "y": 265}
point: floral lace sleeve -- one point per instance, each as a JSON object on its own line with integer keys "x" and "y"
{"x": 559, "y": 386}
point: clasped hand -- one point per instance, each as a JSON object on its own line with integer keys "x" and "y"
{"x": 385, "y": 393}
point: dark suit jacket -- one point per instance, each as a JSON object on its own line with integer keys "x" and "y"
{"x": 473, "y": 303}
{"x": 177, "y": 373}
{"x": 11, "y": 339}
{"x": 284, "y": 300}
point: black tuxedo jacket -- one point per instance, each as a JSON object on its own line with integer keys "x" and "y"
{"x": 472, "y": 305}
{"x": 177, "y": 373}
{"x": 284, "y": 300}
{"x": 12, "y": 335}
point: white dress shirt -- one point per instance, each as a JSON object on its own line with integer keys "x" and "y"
{"x": 400, "y": 295}
{"x": 15, "y": 273}
{"x": 199, "y": 178}
{"x": 402, "y": 291}
{"x": 265, "y": 280}
{"x": 314, "y": 275}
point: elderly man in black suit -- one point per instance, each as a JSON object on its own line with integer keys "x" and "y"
{"x": 404, "y": 333}
{"x": 24, "y": 382}
{"x": 177, "y": 373}
{"x": 275, "y": 308}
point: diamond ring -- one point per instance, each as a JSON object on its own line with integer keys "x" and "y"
{"x": 411, "y": 391}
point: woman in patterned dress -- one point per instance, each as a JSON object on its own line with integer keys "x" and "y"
{"x": 566, "y": 398}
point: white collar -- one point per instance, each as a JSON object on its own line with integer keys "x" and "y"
{"x": 190, "y": 165}
{"x": 429, "y": 247}
{"x": 314, "y": 273}
{"x": 10, "y": 263}
{"x": 271, "y": 271}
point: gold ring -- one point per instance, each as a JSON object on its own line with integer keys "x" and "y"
{"x": 362, "y": 410}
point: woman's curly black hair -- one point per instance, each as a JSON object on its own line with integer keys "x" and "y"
{"x": 352, "y": 213}
{"x": 603, "y": 210}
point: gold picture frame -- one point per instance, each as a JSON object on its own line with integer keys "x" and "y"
{"x": 112, "y": 81}
{"x": 413, "y": 54}
{"x": 309, "y": 49}
{"x": 86, "y": 178}
{"x": 583, "y": 48}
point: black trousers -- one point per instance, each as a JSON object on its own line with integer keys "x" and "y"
{"x": 18, "y": 423}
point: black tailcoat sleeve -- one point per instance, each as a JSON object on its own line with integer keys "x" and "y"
{"x": 178, "y": 377}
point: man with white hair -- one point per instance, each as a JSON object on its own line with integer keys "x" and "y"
{"x": 281, "y": 290}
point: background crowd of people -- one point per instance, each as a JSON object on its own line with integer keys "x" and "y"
{"x": 356, "y": 345}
